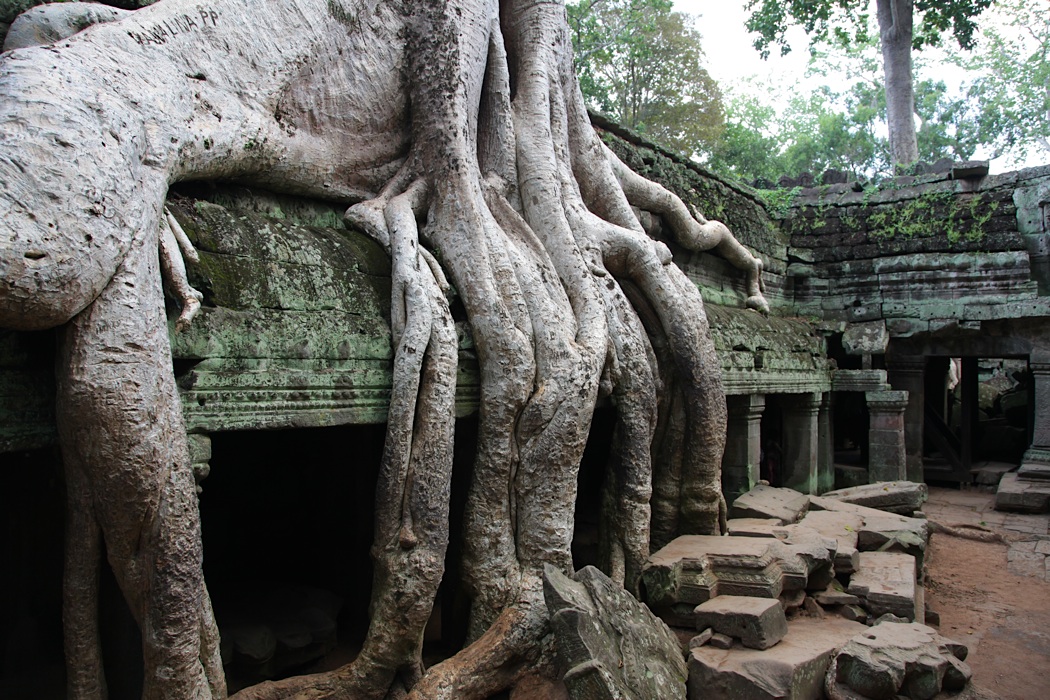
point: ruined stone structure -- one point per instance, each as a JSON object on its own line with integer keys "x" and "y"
{"x": 872, "y": 293}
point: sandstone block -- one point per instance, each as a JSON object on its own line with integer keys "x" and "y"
{"x": 886, "y": 583}
{"x": 1015, "y": 494}
{"x": 897, "y": 659}
{"x": 835, "y": 595}
{"x": 751, "y": 527}
{"x": 758, "y": 623}
{"x": 611, "y": 644}
{"x": 785, "y": 505}
{"x": 881, "y": 530}
{"x": 695, "y": 568}
{"x": 794, "y": 668}
{"x": 844, "y": 527}
{"x": 901, "y": 497}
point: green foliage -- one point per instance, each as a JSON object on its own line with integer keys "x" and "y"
{"x": 1009, "y": 100}
{"x": 642, "y": 64}
{"x": 778, "y": 202}
{"x": 848, "y": 21}
{"x": 940, "y": 212}
{"x": 814, "y": 129}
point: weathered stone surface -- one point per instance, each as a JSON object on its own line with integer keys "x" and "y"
{"x": 897, "y": 660}
{"x": 815, "y": 549}
{"x": 834, "y": 594}
{"x": 695, "y": 568}
{"x": 886, "y": 583}
{"x": 902, "y": 497}
{"x": 785, "y": 505}
{"x": 758, "y": 623}
{"x": 721, "y": 641}
{"x": 869, "y": 338}
{"x": 752, "y": 527}
{"x": 844, "y": 527}
{"x": 613, "y": 646}
{"x": 701, "y": 639}
{"x": 882, "y": 530}
{"x": 794, "y": 668}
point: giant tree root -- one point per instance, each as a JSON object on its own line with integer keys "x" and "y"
{"x": 458, "y": 129}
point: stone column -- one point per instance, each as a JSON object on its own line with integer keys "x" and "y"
{"x": 906, "y": 374}
{"x": 969, "y": 410}
{"x": 740, "y": 462}
{"x": 886, "y": 449}
{"x": 801, "y": 440}
{"x": 1036, "y": 462}
{"x": 825, "y": 447}
{"x": 200, "y": 456}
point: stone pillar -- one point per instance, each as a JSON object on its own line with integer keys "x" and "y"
{"x": 200, "y": 456}
{"x": 740, "y": 462}
{"x": 801, "y": 439}
{"x": 886, "y": 449}
{"x": 825, "y": 447}
{"x": 969, "y": 410}
{"x": 906, "y": 374}
{"x": 1036, "y": 462}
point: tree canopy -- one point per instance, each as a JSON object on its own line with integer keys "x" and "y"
{"x": 774, "y": 130}
{"x": 1008, "y": 100}
{"x": 642, "y": 64}
{"x": 899, "y": 34}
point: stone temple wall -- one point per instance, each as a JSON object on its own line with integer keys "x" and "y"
{"x": 924, "y": 254}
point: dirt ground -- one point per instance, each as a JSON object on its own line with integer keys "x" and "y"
{"x": 993, "y": 596}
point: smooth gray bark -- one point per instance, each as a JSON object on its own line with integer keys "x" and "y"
{"x": 456, "y": 130}
{"x": 895, "y": 29}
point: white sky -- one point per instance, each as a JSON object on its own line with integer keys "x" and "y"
{"x": 731, "y": 58}
{"x": 728, "y": 45}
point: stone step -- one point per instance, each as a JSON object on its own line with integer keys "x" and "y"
{"x": 1018, "y": 495}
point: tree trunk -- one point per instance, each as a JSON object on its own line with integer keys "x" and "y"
{"x": 457, "y": 132}
{"x": 895, "y": 29}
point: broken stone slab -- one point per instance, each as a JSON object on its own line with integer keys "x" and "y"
{"x": 752, "y": 527}
{"x": 881, "y": 530}
{"x": 758, "y": 623}
{"x": 692, "y": 569}
{"x": 785, "y": 505}
{"x": 835, "y": 595}
{"x": 886, "y": 583}
{"x": 901, "y": 497}
{"x": 613, "y": 646}
{"x": 1021, "y": 496}
{"x": 818, "y": 550}
{"x": 895, "y": 659}
{"x": 845, "y": 528}
{"x": 794, "y": 668}
{"x": 815, "y": 549}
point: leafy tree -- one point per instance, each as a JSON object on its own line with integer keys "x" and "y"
{"x": 642, "y": 64}
{"x": 811, "y": 130}
{"x": 847, "y": 20}
{"x": 1009, "y": 101}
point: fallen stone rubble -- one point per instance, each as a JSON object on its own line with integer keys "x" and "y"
{"x": 781, "y": 607}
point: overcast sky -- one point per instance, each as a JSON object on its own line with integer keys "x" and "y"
{"x": 728, "y": 45}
